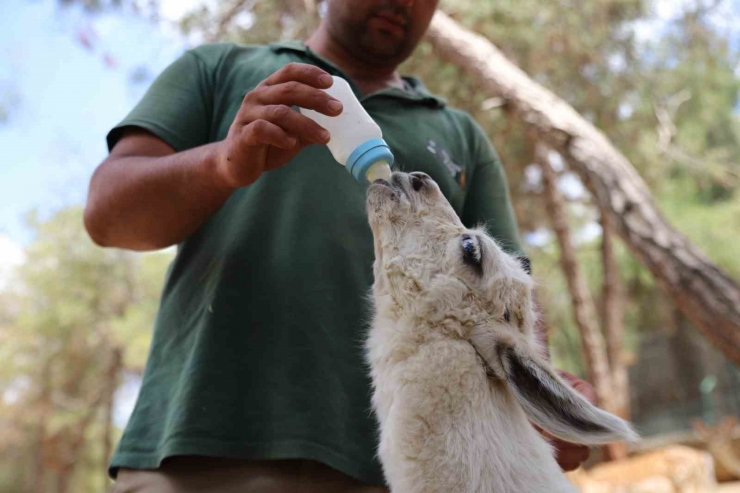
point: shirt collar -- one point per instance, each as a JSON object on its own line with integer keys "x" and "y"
{"x": 417, "y": 90}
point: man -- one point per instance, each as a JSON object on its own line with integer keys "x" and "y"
{"x": 255, "y": 381}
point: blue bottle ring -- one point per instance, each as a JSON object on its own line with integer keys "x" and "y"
{"x": 367, "y": 154}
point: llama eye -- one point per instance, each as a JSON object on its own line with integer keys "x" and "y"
{"x": 469, "y": 247}
{"x": 507, "y": 315}
{"x": 471, "y": 252}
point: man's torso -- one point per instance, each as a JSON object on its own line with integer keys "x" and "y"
{"x": 257, "y": 350}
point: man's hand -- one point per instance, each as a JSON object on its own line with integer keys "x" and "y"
{"x": 267, "y": 132}
{"x": 570, "y": 455}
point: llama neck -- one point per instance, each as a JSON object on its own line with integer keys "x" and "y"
{"x": 422, "y": 322}
{"x": 494, "y": 439}
{"x": 518, "y": 448}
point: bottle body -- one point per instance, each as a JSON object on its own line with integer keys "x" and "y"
{"x": 356, "y": 140}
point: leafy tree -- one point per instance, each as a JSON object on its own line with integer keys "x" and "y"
{"x": 75, "y": 318}
{"x": 669, "y": 105}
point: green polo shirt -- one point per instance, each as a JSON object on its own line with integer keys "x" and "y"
{"x": 257, "y": 346}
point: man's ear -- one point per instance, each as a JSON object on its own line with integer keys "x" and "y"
{"x": 554, "y": 406}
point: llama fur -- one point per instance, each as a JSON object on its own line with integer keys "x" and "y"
{"x": 458, "y": 375}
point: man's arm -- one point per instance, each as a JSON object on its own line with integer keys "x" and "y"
{"x": 147, "y": 196}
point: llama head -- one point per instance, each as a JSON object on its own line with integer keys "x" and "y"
{"x": 435, "y": 269}
{"x": 440, "y": 279}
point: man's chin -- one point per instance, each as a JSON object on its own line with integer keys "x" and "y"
{"x": 383, "y": 47}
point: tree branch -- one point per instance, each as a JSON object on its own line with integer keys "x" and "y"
{"x": 584, "y": 312}
{"x": 702, "y": 291}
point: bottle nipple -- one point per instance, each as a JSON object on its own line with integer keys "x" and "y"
{"x": 379, "y": 170}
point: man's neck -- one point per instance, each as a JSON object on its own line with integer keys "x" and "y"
{"x": 368, "y": 78}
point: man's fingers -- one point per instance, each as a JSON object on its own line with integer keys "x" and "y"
{"x": 297, "y": 94}
{"x": 570, "y": 456}
{"x": 293, "y": 123}
{"x": 581, "y": 386}
{"x": 262, "y": 132}
{"x": 300, "y": 72}
{"x": 568, "y": 466}
{"x": 573, "y": 459}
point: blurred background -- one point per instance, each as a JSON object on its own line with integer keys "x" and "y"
{"x": 660, "y": 78}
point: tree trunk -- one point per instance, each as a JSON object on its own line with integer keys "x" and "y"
{"x": 584, "y": 312}
{"x": 708, "y": 296}
{"x": 612, "y": 319}
{"x": 44, "y": 408}
{"x": 112, "y": 384}
{"x": 72, "y": 444}
{"x": 612, "y": 323}
{"x": 63, "y": 481}
{"x": 71, "y": 441}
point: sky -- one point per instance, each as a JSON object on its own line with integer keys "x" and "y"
{"x": 67, "y": 78}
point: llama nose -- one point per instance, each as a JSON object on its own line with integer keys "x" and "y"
{"x": 418, "y": 180}
{"x": 399, "y": 180}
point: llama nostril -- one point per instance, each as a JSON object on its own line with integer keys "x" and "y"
{"x": 417, "y": 183}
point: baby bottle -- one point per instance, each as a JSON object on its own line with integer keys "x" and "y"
{"x": 356, "y": 140}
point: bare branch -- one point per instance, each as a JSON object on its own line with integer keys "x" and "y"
{"x": 225, "y": 20}
{"x": 665, "y": 114}
{"x": 584, "y": 311}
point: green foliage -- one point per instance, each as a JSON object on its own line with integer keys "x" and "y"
{"x": 712, "y": 225}
{"x": 583, "y": 51}
{"x": 252, "y": 21}
{"x": 690, "y": 75}
{"x": 586, "y": 53}
{"x": 70, "y": 306}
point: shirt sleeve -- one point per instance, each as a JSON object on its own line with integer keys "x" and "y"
{"x": 487, "y": 201}
{"x": 177, "y": 107}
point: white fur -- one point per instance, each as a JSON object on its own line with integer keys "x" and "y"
{"x": 448, "y": 422}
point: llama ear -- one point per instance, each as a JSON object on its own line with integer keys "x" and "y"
{"x": 554, "y": 406}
